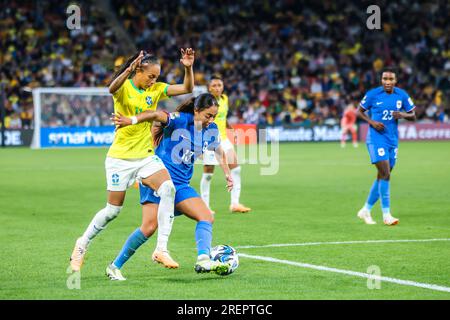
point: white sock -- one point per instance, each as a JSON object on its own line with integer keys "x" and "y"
{"x": 205, "y": 186}
{"x": 203, "y": 257}
{"x": 165, "y": 213}
{"x": 236, "y": 191}
{"x": 99, "y": 222}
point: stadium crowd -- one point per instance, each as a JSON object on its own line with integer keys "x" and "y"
{"x": 283, "y": 62}
{"x": 38, "y": 50}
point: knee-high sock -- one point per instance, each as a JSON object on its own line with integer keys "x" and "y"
{"x": 203, "y": 237}
{"x": 383, "y": 187}
{"x": 236, "y": 191}
{"x": 205, "y": 186}
{"x": 134, "y": 241}
{"x": 165, "y": 213}
{"x": 99, "y": 222}
{"x": 374, "y": 194}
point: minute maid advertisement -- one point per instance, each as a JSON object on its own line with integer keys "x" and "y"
{"x": 77, "y": 136}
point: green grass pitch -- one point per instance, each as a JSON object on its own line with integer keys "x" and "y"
{"x": 48, "y": 197}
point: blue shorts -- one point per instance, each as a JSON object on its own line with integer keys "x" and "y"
{"x": 382, "y": 152}
{"x": 183, "y": 192}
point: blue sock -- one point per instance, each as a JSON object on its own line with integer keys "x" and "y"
{"x": 374, "y": 194}
{"x": 203, "y": 237}
{"x": 385, "y": 196}
{"x": 134, "y": 241}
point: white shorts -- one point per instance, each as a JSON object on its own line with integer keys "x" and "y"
{"x": 209, "y": 157}
{"x": 122, "y": 173}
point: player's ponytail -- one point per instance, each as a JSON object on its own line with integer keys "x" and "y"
{"x": 187, "y": 106}
{"x": 203, "y": 101}
{"x": 157, "y": 129}
{"x": 147, "y": 59}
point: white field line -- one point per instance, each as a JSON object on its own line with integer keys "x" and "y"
{"x": 339, "y": 242}
{"x": 350, "y": 273}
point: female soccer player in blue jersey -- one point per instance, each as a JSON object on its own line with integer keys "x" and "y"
{"x": 186, "y": 134}
{"x": 135, "y": 89}
{"x": 382, "y": 107}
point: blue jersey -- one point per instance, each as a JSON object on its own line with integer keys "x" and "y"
{"x": 182, "y": 144}
{"x": 381, "y": 105}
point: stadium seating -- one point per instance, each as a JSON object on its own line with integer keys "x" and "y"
{"x": 284, "y": 62}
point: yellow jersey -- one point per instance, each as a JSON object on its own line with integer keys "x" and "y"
{"x": 136, "y": 141}
{"x": 221, "y": 118}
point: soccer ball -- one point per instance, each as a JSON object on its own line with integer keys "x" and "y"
{"x": 226, "y": 253}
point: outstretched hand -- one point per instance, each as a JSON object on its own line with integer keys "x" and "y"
{"x": 120, "y": 120}
{"x": 187, "y": 57}
{"x": 136, "y": 62}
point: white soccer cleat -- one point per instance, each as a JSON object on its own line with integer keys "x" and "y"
{"x": 114, "y": 273}
{"x": 390, "y": 220}
{"x": 77, "y": 257}
{"x": 364, "y": 214}
{"x": 206, "y": 265}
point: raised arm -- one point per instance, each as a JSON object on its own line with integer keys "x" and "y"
{"x": 120, "y": 79}
{"x": 187, "y": 60}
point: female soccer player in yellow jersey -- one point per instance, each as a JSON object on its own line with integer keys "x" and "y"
{"x": 215, "y": 87}
{"x": 131, "y": 156}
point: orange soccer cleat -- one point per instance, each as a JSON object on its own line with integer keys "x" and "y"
{"x": 165, "y": 259}
{"x": 240, "y": 208}
{"x": 77, "y": 257}
{"x": 390, "y": 220}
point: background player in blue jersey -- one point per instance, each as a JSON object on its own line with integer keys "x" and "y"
{"x": 183, "y": 136}
{"x": 382, "y": 107}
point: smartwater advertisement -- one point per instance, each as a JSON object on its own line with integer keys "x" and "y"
{"x": 77, "y": 137}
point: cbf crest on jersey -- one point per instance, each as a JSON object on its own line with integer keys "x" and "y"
{"x": 149, "y": 100}
{"x": 399, "y": 104}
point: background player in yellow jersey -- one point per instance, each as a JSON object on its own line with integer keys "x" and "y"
{"x": 215, "y": 87}
{"x": 131, "y": 156}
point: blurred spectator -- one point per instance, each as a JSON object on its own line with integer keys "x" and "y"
{"x": 283, "y": 61}
{"x": 303, "y": 60}
{"x": 39, "y": 50}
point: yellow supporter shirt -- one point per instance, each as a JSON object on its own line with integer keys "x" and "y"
{"x": 221, "y": 118}
{"x": 136, "y": 141}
